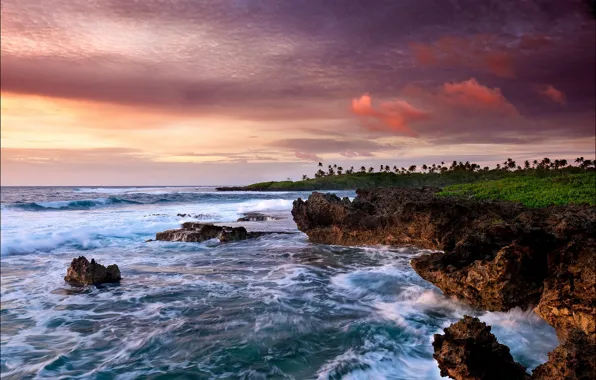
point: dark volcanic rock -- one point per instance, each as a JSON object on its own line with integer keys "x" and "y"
{"x": 573, "y": 360}
{"x": 469, "y": 351}
{"x": 83, "y": 272}
{"x": 568, "y": 300}
{"x": 496, "y": 254}
{"x": 198, "y": 232}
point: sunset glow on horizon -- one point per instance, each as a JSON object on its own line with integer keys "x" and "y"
{"x": 181, "y": 92}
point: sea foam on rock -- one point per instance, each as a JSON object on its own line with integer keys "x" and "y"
{"x": 83, "y": 272}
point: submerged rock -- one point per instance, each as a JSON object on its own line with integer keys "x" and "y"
{"x": 469, "y": 351}
{"x": 83, "y": 272}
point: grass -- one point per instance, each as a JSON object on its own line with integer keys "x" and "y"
{"x": 532, "y": 191}
{"x": 372, "y": 180}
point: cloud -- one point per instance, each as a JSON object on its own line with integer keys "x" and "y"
{"x": 391, "y": 116}
{"x": 307, "y": 156}
{"x": 479, "y": 52}
{"x": 553, "y": 94}
{"x": 335, "y": 146}
{"x": 351, "y": 154}
{"x": 472, "y": 95}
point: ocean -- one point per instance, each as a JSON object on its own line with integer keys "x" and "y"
{"x": 276, "y": 307}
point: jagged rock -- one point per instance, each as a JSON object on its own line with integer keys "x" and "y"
{"x": 575, "y": 359}
{"x": 496, "y": 254}
{"x": 568, "y": 300}
{"x": 83, "y": 272}
{"x": 198, "y": 232}
{"x": 469, "y": 351}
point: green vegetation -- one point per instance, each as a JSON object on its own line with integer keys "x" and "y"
{"x": 532, "y": 191}
{"x": 441, "y": 175}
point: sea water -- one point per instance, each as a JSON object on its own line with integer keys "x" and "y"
{"x": 276, "y": 307}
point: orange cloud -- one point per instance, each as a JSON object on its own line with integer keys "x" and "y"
{"x": 554, "y": 94}
{"x": 472, "y": 95}
{"x": 308, "y": 156}
{"x": 391, "y": 116}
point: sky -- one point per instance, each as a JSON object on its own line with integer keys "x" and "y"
{"x": 208, "y": 92}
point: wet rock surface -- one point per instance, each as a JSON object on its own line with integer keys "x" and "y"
{"x": 495, "y": 256}
{"x": 469, "y": 351}
{"x": 83, "y": 272}
{"x": 198, "y": 232}
{"x": 575, "y": 359}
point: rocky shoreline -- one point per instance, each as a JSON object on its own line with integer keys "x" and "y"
{"x": 494, "y": 255}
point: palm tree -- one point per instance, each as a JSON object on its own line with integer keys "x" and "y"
{"x": 412, "y": 169}
{"x": 381, "y": 168}
{"x": 362, "y": 169}
{"x": 371, "y": 169}
{"x": 424, "y": 167}
{"x": 304, "y": 177}
{"x": 387, "y": 169}
{"x": 339, "y": 170}
{"x": 534, "y": 164}
{"x": 320, "y": 164}
{"x": 526, "y": 164}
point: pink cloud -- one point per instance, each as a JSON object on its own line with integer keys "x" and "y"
{"x": 307, "y": 156}
{"x": 472, "y": 95}
{"x": 390, "y": 116}
{"x": 472, "y": 52}
{"x": 554, "y": 94}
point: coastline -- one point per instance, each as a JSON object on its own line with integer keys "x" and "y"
{"x": 494, "y": 255}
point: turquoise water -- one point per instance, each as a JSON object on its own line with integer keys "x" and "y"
{"x": 277, "y": 307}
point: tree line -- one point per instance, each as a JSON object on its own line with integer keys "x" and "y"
{"x": 510, "y": 165}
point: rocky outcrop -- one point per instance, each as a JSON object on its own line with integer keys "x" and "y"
{"x": 83, "y": 272}
{"x": 496, "y": 255}
{"x": 575, "y": 359}
{"x": 469, "y": 351}
{"x": 568, "y": 300}
{"x": 198, "y": 232}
